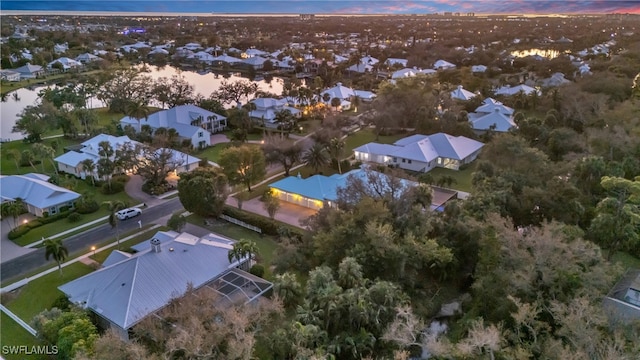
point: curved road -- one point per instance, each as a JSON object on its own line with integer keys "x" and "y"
{"x": 23, "y": 265}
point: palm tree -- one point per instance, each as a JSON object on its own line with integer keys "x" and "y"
{"x": 114, "y": 206}
{"x": 27, "y": 157}
{"x": 88, "y": 166}
{"x": 13, "y": 209}
{"x": 138, "y": 110}
{"x": 287, "y": 287}
{"x": 56, "y": 249}
{"x": 243, "y": 249}
{"x": 336, "y": 145}
{"x": 13, "y": 154}
{"x": 45, "y": 152}
{"x": 355, "y": 101}
{"x": 316, "y": 157}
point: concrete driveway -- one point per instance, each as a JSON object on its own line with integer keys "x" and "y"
{"x": 8, "y": 249}
{"x": 288, "y": 213}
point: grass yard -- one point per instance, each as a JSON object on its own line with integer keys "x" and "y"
{"x": 40, "y": 293}
{"x": 266, "y": 244}
{"x": 13, "y": 334}
{"x": 462, "y": 177}
{"x": 8, "y": 166}
{"x": 63, "y": 224}
{"x": 626, "y": 260}
{"x": 367, "y": 135}
{"x": 212, "y": 153}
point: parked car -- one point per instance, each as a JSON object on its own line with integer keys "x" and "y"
{"x": 128, "y": 213}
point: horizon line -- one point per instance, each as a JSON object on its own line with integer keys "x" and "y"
{"x": 287, "y": 14}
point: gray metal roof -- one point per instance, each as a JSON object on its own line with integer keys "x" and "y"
{"x": 34, "y": 190}
{"x": 425, "y": 148}
{"x": 127, "y": 291}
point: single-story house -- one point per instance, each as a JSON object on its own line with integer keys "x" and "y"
{"x": 369, "y": 60}
{"x": 256, "y": 62}
{"x": 190, "y": 121}
{"x": 341, "y": 92}
{"x": 360, "y": 68}
{"x": 422, "y": 153}
{"x": 87, "y": 58}
{"x": 9, "y": 75}
{"x": 394, "y": 61}
{"x": 130, "y": 287}
{"x": 478, "y": 68}
{"x": 69, "y": 162}
{"x": 496, "y": 121}
{"x": 622, "y": 303}
{"x": 29, "y": 71}
{"x": 461, "y": 94}
{"x": 489, "y": 105}
{"x": 184, "y": 161}
{"x": 318, "y": 191}
{"x": 39, "y": 195}
{"x": 513, "y": 90}
{"x": 443, "y": 65}
{"x": 67, "y": 63}
{"x": 224, "y": 58}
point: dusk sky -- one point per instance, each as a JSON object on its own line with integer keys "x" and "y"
{"x": 333, "y": 6}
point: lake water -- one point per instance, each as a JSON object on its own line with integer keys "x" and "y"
{"x": 203, "y": 84}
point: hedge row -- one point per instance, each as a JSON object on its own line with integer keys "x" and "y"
{"x": 268, "y": 226}
{"x": 25, "y": 228}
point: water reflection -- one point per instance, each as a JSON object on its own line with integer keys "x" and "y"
{"x": 203, "y": 84}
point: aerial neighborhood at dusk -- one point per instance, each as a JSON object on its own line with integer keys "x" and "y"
{"x": 320, "y": 180}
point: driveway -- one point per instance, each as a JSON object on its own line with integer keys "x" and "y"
{"x": 8, "y": 249}
{"x": 133, "y": 188}
{"x": 288, "y": 213}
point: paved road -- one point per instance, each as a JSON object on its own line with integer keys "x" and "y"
{"x": 21, "y": 266}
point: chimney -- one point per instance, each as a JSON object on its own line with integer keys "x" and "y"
{"x": 155, "y": 245}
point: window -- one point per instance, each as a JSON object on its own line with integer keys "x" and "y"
{"x": 409, "y": 161}
{"x": 404, "y": 160}
{"x": 200, "y": 134}
{"x": 53, "y": 210}
{"x": 395, "y": 159}
{"x": 439, "y": 161}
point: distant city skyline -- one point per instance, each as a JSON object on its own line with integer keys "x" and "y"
{"x": 329, "y": 6}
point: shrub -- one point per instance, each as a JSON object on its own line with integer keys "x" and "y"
{"x": 87, "y": 206}
{"x": 45, "y": 214}
{"x": 115, "y": 188}
{"x": 257, "y": 270}
{"x": 120, "y": 179}
{"x": 61, "y": 302}
{"x": 268, "y": 226}
{"x": 74, "y": 217}
{"x": 18, "y": 231}
{"x": 64, "y": 208}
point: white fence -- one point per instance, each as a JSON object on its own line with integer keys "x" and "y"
{"x": 241, "y": 223}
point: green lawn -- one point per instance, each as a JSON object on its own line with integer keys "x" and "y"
{"x": 13, "y": 334}
{"x": 63, "y": 224}
{"x": 462, "y": 177}
{"x": 212, "y": 153}
{"x": 266, "y": 244}
{"x": 40, "y": 293}
{"x": 626, "y": 260}
{"x": 8, "y": 167}
{"x": 367, "y": 135}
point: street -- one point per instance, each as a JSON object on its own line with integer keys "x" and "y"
{"x": 23, "y": 265}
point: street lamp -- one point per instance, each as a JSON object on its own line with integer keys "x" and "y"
{"x": 93, "y": 248}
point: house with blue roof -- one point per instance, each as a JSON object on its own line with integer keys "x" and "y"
{"x": 422, "y": 153}
{"x": 318, "y": 191}
{"x": 39, "y": 195}
{"x": 190, "y": 121}
{"x": 130, "y": 287}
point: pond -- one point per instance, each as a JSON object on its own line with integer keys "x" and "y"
{"x": 203, "y": 84}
